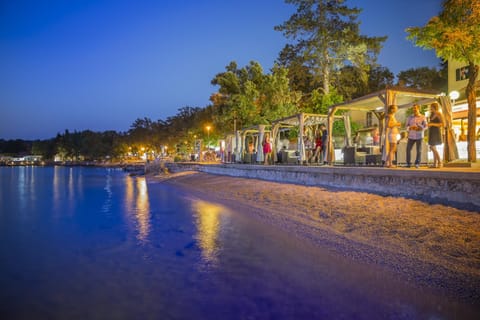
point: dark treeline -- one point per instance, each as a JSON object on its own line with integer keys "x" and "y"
{"x": 176, "y": 134}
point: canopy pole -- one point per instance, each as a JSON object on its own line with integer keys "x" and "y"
{"x": 330, "y": 154}
{"x": 450, "y": 151}
{"x": 391, "y": 99}
{"x": 301, "y": 144}
{"x": 261, "y": 133}
{"x": 275, "y": 142}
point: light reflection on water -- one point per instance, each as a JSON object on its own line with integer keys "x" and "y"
{"x": 23, "y": 187}
{"x": 208, "y": 226}
{"x": 56, "y": 186}
{"x": 26, "y": 185}
{"x": 107, "y": 204}
{"x": 71, "y": 186}
{"x": 138, "y": 204}
{"x": 67, "y": 183}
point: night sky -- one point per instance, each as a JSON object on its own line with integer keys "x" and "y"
{"x": 101, "y": 64}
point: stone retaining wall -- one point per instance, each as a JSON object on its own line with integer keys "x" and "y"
{"x": 455, "y": 188}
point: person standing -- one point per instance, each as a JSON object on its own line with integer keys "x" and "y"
{"x": 375, "y": 135}
{"x": 308, "y": 144}
{"x": 318, "y": 149}
{"x": 416, "y": 125}
{"x": 267, "y": 149}
{"x": 435, "y": 136}
{"x": 391, "y": 132}
{"x": 357, "y": 139}
{"x": 324, "y": 131}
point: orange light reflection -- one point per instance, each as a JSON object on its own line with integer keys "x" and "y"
{"x": 137, "y": 202}
{"x": 208, "y": 225}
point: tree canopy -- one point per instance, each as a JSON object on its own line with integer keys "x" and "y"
{"x": 249, "y": 96}
{"x": 423, "y": 78}
{"x": 327, "y": 38}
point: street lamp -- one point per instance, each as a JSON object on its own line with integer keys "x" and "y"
{"x": 208, "y": 136}
{"x": 454, "y": 96}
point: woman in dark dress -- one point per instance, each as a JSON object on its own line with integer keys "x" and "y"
{"x": 435, "y": 136}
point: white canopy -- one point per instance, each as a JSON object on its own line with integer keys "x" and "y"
{"x": 378, "y": 103}
{"x": 301, "y": 120}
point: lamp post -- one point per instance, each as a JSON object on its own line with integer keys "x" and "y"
{"x": 208, "y": 136}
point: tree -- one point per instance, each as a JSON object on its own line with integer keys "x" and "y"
{"x": 455, "y": 34}
{"x": 183, "y": 124}
{"x": 140, "y": 133}
{"x": 422, "y": 78}
{"x": 300, "y": 75}
{"x": 15, "y": 147}
{"x": 248, "y": 96}
{"x": 328, "y": 38}
{"x": 44, "y": 148}
{"x": 379, "y": 78}
{"x": 349, "y": 83}
{"x": 319, "y": 102}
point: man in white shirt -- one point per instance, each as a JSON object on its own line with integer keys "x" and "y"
{"x": 416, "y": 125}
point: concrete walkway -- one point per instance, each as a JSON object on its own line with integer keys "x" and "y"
{"x": 455, "y": 186}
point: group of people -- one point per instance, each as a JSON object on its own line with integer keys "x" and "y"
{"x": 316, "y": 149}
{"x": 416, "y": 126}
{"x": 315, "y": 152}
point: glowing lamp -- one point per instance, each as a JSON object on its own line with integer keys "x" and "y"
{"x": 454, "y": 95}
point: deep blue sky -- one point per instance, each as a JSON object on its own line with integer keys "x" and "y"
{"x": 101, "y": 64}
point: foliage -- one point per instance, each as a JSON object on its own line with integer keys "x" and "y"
{"x": 319, "y": 102}
{"x": 85, "y": 145}
{"x": 339, "y": 127}
{"x": 249, "y": 97}
{"x": 454, "y": 35}
{"x": 44, "y": 148}
{"x": 302, "y": 77}
{"x": 379, "y": 78}
{"x": 327, "y": 39}
{"x": 422, "y": 78}
{"x": 15, "y": 147}
{"x": 350, "y": 83}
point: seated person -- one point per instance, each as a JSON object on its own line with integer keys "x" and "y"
{"x": 376, "y": 136}
{"x": 250, "y": 147}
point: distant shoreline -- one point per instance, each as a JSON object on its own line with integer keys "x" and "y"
{"x": 73, "y": 164}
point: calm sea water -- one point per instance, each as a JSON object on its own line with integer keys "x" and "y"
{"x": 90, "y": 243}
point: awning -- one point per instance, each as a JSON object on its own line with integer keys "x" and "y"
{"x": 378, "y": 103}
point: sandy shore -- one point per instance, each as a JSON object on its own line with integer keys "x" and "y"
{"x": 433, "y": 245}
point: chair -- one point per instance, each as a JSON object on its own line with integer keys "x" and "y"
{"x": 360, "y": 158}
{"x": 352, "y": 156}
{"x": 289, "y": 156}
